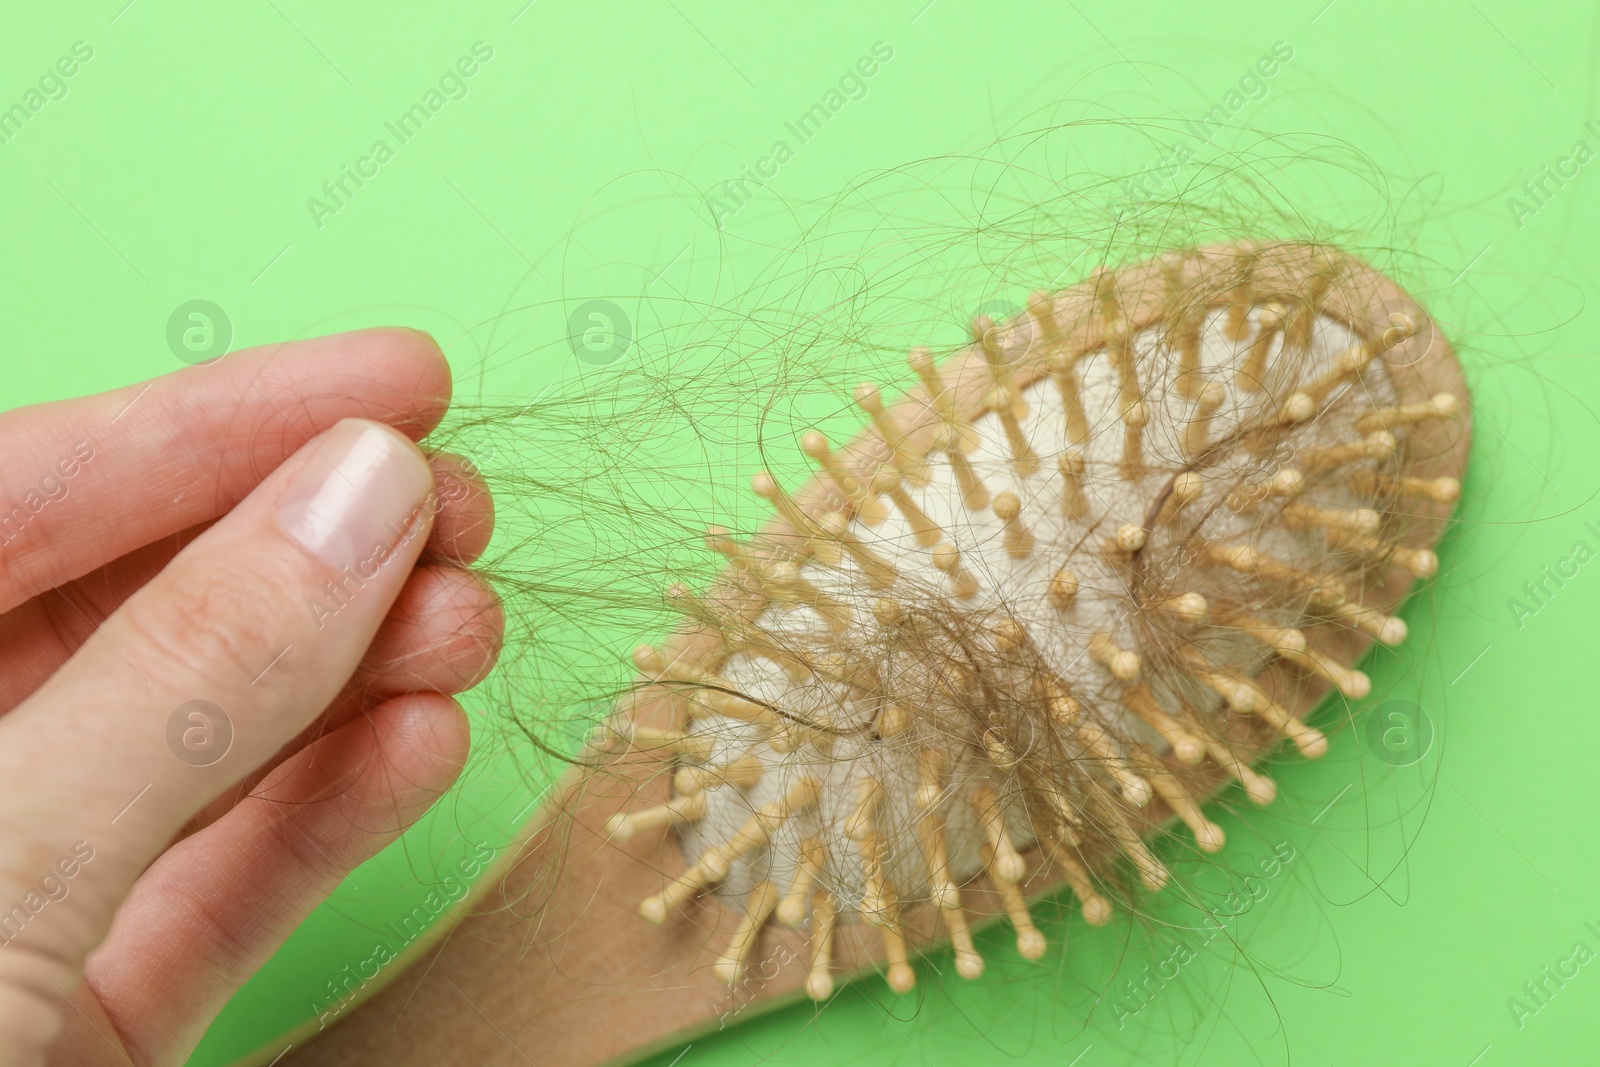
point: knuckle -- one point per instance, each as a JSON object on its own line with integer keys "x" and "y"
{"x": 232, "y": 953}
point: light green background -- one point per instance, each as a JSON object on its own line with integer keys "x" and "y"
{"x": 1420, "y": 899}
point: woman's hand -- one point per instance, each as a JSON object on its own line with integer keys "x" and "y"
{"x": 233, "y": 607}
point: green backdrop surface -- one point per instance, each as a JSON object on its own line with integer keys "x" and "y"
{"x": 564, "y": 152}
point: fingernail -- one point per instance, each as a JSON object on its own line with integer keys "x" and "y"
{"x": 360, "y": 492}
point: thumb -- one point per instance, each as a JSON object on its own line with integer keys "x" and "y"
{"x": 196, "y": 680}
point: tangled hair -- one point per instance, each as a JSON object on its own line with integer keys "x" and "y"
{"x": 1113, "y": 545}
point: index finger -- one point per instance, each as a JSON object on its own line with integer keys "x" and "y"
{"x": 88, "y": 480}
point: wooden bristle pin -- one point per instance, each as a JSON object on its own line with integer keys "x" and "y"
{"x": 1096, "y": 909}
{"x": 1208, "y": 836}
{"x": 1096, "y": 743}
{"x": 1303, "y": 316}
{"x": 1007, "y": 862}
{"x": 1440, "y": 406}
{"x": 730, "y": 968}
{"x": 767, "y": 488}
{"x": 653, "y": 665}
{"x": 708, "y": 610}
{"x": 1251, "y": 375}
{"x": 893, "y": 721}
{"x": 1063, "y": 707}
{"x": 1186, "y": 746}
{"x": 1009, "y": 635}
{"x": 742, "y": 773}
{"x": 969, "y": 964}
{"x": 1132, "y": 468}
{"x": 1402, "y": 327}
{"x": 819, "y": 978}
{"x": 1067, "y": 825}
{"x": 744, "y": 638}
{"x": 1347, "y": 680}
{"x": 1018, "y": 540}
{"x": 739, "y": 556}
{"x": 1104, "y": 290}
{"x": 947, "y": 558}
{"x": 930, "y": 786}
{"x": 713, "y": 697}
{"x": 982, "y": 678}
{"x": 1300, "y": 514}
{"x": 1187, "y": 487}
{"x": 941, "y": 887}
{"x": 1248, "y": 561}
{"x": 963, "y": 437}
{"x": 1422, "y": 562}
{"x": 1119, "y": 350}
{"x": 866, "y": 504}
{"x": 679, "y": 810}
{"x": 1024, "y": 460}
{"x": 1296, "y": 407}
{"x": 1280, "y": 639}
{"x": 1197, "y": 432}
{"x": 1000, "y": 754}
{"x": 1031, "y": 944}
{"x": 860, "y": 827}
{"x": 923, "y": 529}
{"x": 1123, "y": 663}
{"x": 1260, "y": 789}
{"x": 1343, "y": 370}
{"x": 1287, "y": 482}
{"x": 1378, "y": 445}
{"x": 1064, "y": 373}
{"x": 1438, "y": 490}
{"x": 1236, "y": 321}
{"x": 699, "y": 693}
{"x": 986, "y": 335}
{"x": 879, "y": 572}
{"x": 901, "y": 977}
{"x": 1042, "y": 317}
{"x": 1072, "y": 466}
{"x": 1185, "y": 321}
{"x": 974, "y": 494}
{"x": 791, "y": 909}
{"x": 1152, "y": 872}
{"x": 1385, "y": 629}
{"x": 1245, "y": 696}
{"x": 912, "y": 465}
{"x": 1062, "y": 363}
{"x": 713, "y": 865}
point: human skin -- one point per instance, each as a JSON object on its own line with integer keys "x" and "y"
{"x": 179, "y": 562}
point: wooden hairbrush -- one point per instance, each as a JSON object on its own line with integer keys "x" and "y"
{"x": 1046, "y": 606}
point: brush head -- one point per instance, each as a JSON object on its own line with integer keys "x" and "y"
{"x": 1134, "y": 498}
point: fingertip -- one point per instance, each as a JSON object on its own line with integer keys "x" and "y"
{"x": 412, "y": 365}
{"x": 418, "y": 355}
{"x": 464, "y": 523}
{"x": 426, "y": 738}
{"x": 443, "y": 634}
{"x": 479, "y": 627}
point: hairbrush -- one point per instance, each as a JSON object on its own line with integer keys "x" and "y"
{"x": 1040, "y": 612}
